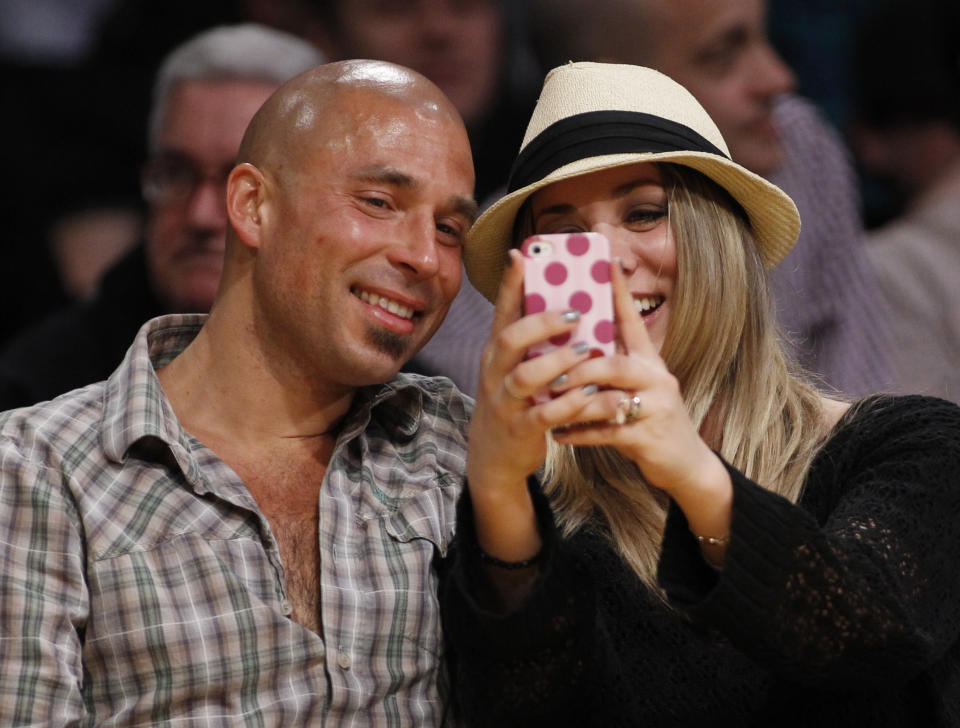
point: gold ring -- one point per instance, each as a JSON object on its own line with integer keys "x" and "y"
{"x": 509, "y": 390}
{"x": 628, "y": 410}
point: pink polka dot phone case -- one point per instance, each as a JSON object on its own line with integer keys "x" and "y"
{"x": 570, "y": 271}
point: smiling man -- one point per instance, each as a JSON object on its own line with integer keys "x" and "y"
{"x": 239, "y": 526}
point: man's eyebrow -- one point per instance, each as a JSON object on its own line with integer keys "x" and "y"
{"x": 384, "y": 175}
{"x": 465, "y": 206}
{"x": 736, "y": 36}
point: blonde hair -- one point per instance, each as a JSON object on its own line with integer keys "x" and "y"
{"x": 723, "y": 347}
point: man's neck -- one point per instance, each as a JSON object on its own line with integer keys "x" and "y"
{"x": 221, "y": 386}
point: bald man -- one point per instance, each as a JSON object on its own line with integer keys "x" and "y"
{"x": 239, "y": 526}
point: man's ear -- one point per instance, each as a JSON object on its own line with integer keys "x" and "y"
{"x": 246, "y": 195}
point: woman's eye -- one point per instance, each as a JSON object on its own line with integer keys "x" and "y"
{"x": 646, "y": 216}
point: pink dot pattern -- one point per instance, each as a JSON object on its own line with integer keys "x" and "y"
{"x": 570, "y": 271}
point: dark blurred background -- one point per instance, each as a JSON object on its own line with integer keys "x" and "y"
{"x": 76, "y": 86}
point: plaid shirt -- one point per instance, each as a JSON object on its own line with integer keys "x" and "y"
{"x": 141, "y": 585}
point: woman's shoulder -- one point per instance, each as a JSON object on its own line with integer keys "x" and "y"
{"x": 901, "y": 418}
{"x": 880, "y": 408}
{"x": 886, "y": 444}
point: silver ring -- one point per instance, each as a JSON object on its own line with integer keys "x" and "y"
{"x": 628, "y": 410}
{"x": 509, "y": 390}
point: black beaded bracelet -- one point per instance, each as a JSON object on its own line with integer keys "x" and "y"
{"x": 501, "y": 564}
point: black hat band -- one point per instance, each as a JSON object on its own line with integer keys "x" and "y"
{"x": 597, "y": 133}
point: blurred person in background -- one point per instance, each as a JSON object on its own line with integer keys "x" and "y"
{"x": 205, "y": 93}
{"x": 906, "y": 131}
{"x": 79, "y": 75}
{"x": 816, "y": 38}
{"x": 719, "y": 50}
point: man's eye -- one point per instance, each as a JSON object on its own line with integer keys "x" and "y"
{"x": 451, "y": 235}
{"x": 376, "y": 202}
{"x": 720, "y": 62}
{"x": 722, "y": 56}
{"x": 181, "y": 173}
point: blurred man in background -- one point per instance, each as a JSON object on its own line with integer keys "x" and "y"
{"x": 205, "y": 93}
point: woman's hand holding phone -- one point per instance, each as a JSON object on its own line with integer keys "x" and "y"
{"x": 662, "y": 440}
{"x": 508, "y": 432}
{"x": 553, "y": 312}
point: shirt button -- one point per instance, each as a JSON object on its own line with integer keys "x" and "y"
{"x": 343, "y": 659}
{"x": 287, "y": 608}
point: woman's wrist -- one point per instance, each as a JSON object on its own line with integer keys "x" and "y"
{"x": 707, "y": 505}
{"x": 505, "y": 521}
{"x": 509, "y": 565}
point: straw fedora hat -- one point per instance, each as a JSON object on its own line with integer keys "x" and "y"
{"x": 593, "y": 116}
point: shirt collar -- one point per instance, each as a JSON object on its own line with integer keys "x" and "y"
{"x": 397, "y": 405}
{"x": 135, "y": 406}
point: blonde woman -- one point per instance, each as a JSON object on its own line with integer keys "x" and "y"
{"x": 689, "y": 532}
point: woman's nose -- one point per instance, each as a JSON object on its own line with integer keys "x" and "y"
{"x": 619, "y": 248}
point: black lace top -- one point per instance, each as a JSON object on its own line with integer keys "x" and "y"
{"x": 843, "y": 610}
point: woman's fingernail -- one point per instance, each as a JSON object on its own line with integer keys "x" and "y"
{"x": 559, "y": 381}
{"x": 590, "y": 389}
{"x": 581, "y": 347}
{"x": 571, "y": 315}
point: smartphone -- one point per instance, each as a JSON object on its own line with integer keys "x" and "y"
{"x": 570, "y": 271}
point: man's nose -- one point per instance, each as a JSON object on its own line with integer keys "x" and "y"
{"x": 417, "y": 250}
{"x": 773, "y": 76}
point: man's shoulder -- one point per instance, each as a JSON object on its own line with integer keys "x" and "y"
{"x": 798, "y": 118}
{"x": 54, "y": 427}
